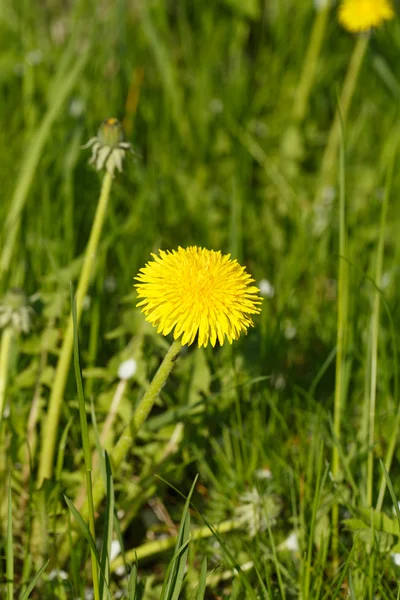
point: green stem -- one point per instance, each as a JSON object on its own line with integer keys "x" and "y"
{"x": 50, "y": 428}
{"x": 6, "y": 341}
{"x": 85, "y": 444}
{"x": 340, "y": 345}
{"x": 329, "y": 158}
{"x": 141, "y": 413}
{"x": 374, "y": 352}
{"x": 152, "y": 548}
{"x": 95, "y": 574}
{"x": 309, "y": 66}
{"x": 9, "y": 546}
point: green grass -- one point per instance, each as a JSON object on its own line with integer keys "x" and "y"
{"x": 228, "y": 156}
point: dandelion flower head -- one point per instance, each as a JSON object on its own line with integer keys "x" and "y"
{"x": 195, "y": 291}
{"x": 362, "y": 15}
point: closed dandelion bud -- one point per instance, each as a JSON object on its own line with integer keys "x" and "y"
{"x": 108, "y": 147}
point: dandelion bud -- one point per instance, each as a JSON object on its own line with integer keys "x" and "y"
{"x": 108, "y": 147}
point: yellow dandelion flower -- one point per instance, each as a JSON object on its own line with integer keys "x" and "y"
{"x": 362, "y": 15}
{"x": 197, "y": 291}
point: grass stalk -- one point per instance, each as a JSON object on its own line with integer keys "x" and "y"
{"x": 328, "y": 164}
{"x": 85, "y": 445}
{"x": 9, "y": 546}
{"x": 5, "y": 352}
{"x": 106, "y": 434}
{"x": 50, "y": 428}
{"x": 374, "y": 344}
{"x": 309, "y": 65}
{"x": 342, "y": 315}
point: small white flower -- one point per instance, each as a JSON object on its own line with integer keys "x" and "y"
{"x": 264, "y": 473}
{"x": 292, "y": 542}
{"x": 110, "y": 284}
{"x": 127, "y": 369}
{"x": 289, "y": 330}
{"x": 396, "y": 558}
{"x": 76, "y": 107}
{"x": 115, "y": 549}
{"x": 266, "y": 288}
{"x": 278, "y": 381}
{"x": 58, "y": 574}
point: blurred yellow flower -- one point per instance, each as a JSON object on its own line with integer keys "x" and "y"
{"x": 362, "y": 15}
{"x": 197, "y": 291}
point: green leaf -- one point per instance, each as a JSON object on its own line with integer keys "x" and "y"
{"x": 86, "y": 533}
{"x": 380, "y": 521}
{"x": 355, "y": 524}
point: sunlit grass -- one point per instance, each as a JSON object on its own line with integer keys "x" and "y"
{"x": 230, "y": 107}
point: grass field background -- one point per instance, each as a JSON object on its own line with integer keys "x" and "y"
{"x": 208, "y": 93}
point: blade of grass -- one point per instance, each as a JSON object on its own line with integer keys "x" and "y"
{"x": 26, "y": 593}
{"x": 318, "y": 488}
{"x": 345, "y": 569}
{"x": 176, "y": 570}
{"x": 391, "y": 491}
{"x": 310, "y": 64}
{"x": 85, "y": 442}
{"x": 108, "y": 528}
{"x": 202, "y": 581}
{"x": 329, "y": 159}
{"x": 374, "y": 338}
{"x": 133, "y": 583}
{"x": 9, "y": 546}
{"x": 88, "y": 536}
{"x": 341, "y": 340}
{"x": 352, "y": 591}
{"x": 396, "y": 425}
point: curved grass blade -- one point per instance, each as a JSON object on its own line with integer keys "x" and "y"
{"x": 176, "y": 570}
{"x": 25, "y": 595}
{"x": 108, "y": 528}
{"x": 88, "y": 536}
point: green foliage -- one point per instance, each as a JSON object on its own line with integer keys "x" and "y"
{"x": 208, "y": 93}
